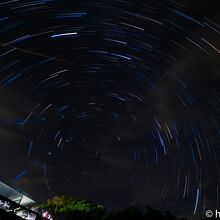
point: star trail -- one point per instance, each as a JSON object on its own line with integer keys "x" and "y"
{"x": 115, "y": 101}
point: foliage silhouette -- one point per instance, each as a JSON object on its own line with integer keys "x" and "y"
{"x": 134, "y": 213}
{"x": 65, "y": 208}
{"x": 129, "y": 214}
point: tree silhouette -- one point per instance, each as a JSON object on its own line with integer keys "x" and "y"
{"x": 65, "y": 208}
{"x": 129, "y": 214}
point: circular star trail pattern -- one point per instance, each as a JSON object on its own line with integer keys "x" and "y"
{"x": 115, "y": 101}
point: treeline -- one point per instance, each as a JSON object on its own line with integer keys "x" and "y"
{"x": 63, "y": 208}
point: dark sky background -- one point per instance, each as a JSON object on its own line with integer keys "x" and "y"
{"x": 114, "y": 101}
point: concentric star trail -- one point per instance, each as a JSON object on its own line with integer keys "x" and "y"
{"x": 115, "y": 101}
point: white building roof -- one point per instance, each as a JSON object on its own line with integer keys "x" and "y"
{"x": 15, "y": 195}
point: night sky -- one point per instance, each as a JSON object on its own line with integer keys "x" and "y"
{"x": 114, "y": 101}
